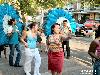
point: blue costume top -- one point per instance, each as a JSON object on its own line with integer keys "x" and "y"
{"x": 31, "y": 41}
{"x": 14, "y": 39}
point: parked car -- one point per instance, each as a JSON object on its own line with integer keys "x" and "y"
{"x": 79, "y": 30}
{"x": 89, "y": 23}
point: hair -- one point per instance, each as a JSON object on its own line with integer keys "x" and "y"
{"x": 65, "y": 21}
{"x": 32, "y": 24}
{"x": 52, "y": 27}
{"x": 90, "y": 28}
{"x": 10, "y": 22}
{"x": 98, "y": 32}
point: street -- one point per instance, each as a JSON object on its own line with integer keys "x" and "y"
{"x": 73, "y": 23}
{"x": 79, "y": 49}
{"x": 78, "y": 64}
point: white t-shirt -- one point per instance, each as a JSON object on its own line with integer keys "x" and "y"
{"x": 10, "y": 29}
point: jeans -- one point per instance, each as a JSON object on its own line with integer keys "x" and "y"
{"x": 12, "y": 49}
{"x": 0, "y": 54}
{"x": 29, "y": 55}
{"x": 96, "y": 67}
{"x": 66, "y": 43}
{"x": 1, "y": 49}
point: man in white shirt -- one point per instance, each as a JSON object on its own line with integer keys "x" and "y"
{"x": 67, "y": 32}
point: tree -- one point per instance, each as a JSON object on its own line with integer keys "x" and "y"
{"x": 97, "y": 3}
{"x": 31, "y": 6}
{"x": 91, "y": 3}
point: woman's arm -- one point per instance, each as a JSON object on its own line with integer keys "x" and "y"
{"x": 24, "y": 34}
{"x": 92, "y": 50}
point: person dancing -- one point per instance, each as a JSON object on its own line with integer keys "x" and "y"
{"x": 31, "y": 50}
{"x": 55, "y": 52}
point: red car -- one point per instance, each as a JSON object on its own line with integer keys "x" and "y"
{"x": 89, "y": 23}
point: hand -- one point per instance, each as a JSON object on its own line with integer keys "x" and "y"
{"x": 65, "y": 38}
{"x": 26, "y": 45}
{"x": 69, "y": 37}
{"x": 57, "y": 41}
{"x": 9, "y": 34}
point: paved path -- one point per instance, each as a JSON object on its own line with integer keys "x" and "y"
{"x": 71, "y": 66}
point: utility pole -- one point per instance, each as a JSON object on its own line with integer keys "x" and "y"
{"x": 78, "y": 5}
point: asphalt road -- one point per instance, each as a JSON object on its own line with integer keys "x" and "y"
{"x": 73, "y": 66}
{"x": 79, "y": 49}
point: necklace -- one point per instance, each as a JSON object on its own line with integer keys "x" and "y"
{"x": 56, "y": 38}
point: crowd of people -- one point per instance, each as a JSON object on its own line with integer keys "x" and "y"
{"x": 56, "y": 44}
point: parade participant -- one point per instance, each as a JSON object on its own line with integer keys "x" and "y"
{"x": 67, "y": 32}
{"x": 14, "y": 43}
{"x": 94, "y": 52}
{"x": 31, "y": 50}
{"x": 55, "y": 52}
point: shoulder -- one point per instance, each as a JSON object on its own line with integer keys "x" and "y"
{"x": 25, "y": 32}
{"x": 95, "y": 42}
{"x": 50, "y": 36}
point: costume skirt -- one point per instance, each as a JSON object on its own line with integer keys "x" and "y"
{"x": 55, "y": 61}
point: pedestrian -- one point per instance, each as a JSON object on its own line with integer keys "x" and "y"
{"x": 55, "y": 52}
{"x": 67, "y": 32}
{"x": 94, "y": 52}
{"x": 31, "y": 50}
{"x": 13, "y": 34}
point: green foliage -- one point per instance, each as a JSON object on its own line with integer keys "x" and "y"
{"x": 97, "y": 3}
{"x": 93, "y": 3}
{"x": 31, "y": 6}
{"x": 25, "y": 6}
{"x": 49, "y": 3}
